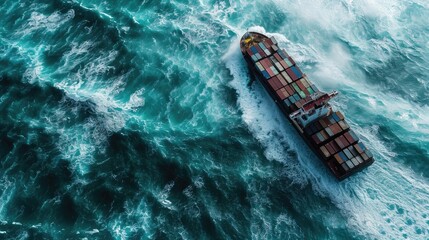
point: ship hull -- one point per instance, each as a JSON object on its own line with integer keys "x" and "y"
{"x": 340, "y": 170}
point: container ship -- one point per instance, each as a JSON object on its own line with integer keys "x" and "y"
{"x": 324, "y": 130}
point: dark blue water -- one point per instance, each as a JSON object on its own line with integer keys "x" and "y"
{"x": 133, "y": 120}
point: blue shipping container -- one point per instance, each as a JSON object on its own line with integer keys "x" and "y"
{"x": 297, "y": 72}
{"x": 265, "y": 74}
{"x": 343, "y": 156}
{"x": 337, "y": 119}
{"x": 283, "y": 54}
{"x": 362, "y": 146}
{"x": 253, "y": 49}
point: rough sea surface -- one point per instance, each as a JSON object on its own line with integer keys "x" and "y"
{"x": 134, "y": 120}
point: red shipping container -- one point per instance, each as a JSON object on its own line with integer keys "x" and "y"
{"x": 280, "y": 83}
{"x": 277, "y": 56}
{"x": 269, "y": 41}
{"x": 260, "y": 51}
{"x": 336, "y": 128}
{"x": 269, "y": 63}
{"x": 291, "y": 74}
{"x": 344, "y": 141}
{"x": 265, "y": 63}
{"x": 349, "y": 138}
{"x": 290, "y": 90}
{"x": 270, "y": 72}
{"x": 274, "y": 83}
{"x": 280, "y": 94}
{"x": 307, "y": 93}
{"x": 358, "y": 148}
{"x": 282, "y": 80}
{"x": 330, "y": 149}
{"x": 284, "y": 65}
{"x": 291, "y": 60}
{"x": 277, "y": 82}
{"x": 339, "y": 143}
{"x": 324, "y": 125}
{"x": 266, "y": 44}
{"x": 249, "y": 52}
{"x": 284, "y": 92}
{"x": 300, "y": 85}
{"x": 340, "y": 129}
{"x": 335, "y": 146}
{"x": 326, "y": 121}
{"x": 262, "y": 62}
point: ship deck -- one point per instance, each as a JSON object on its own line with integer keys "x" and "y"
{"x": 329, "y": 136}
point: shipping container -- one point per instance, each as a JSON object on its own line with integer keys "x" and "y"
{"x": 282, "y": 80}
{"x": 343, "y": 125}
{"x": 283, "y": 54}
{"x": 275, "y": 48}
{"x": 329, "y": 136}
{"x": 350, "y": 164}
{"x": 291, "y": 60}
{"x": 286, "y": 76}
{"x": 338, "y": 159}
{"x": 296, "y": 71}
{"x": 259, "y": 66}
{"x": 265, "y": 74}
{"x": 325, "y": 151}
{"x": 273, "y": 40}
{"x": 291, "y": 74}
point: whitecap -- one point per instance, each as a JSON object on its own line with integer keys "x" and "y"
{"x": 93, "y": 231}
{"x": 370, "y": 216}
{"x": 136, "y": 100}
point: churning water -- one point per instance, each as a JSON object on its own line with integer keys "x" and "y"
{"x": 134, "y": 120}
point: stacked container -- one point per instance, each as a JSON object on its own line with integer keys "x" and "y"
{"x": 280, "y": 71}
{"x": 329, "y": 136}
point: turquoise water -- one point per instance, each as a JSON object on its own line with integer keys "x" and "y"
{"x": 133, "y": 120}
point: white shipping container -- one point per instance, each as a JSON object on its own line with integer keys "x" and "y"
{"x": 260, "y": 67}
